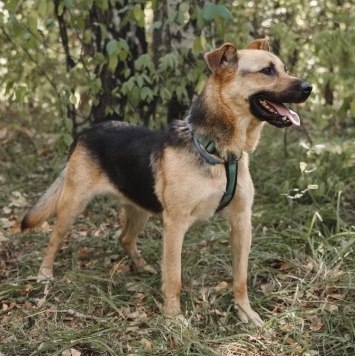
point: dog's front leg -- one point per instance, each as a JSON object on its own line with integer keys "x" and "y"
{"x": 240, "y": 244}
{"x": 174, "y": 231}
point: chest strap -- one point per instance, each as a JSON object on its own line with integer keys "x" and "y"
{"x": 207, "y": 149}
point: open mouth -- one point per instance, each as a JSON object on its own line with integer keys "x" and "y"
{"x": 275, "y": 113}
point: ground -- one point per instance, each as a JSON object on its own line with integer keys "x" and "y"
{"x": 300, "y": 278}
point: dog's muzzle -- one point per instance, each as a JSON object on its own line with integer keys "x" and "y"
{"x": 268, "y": 106}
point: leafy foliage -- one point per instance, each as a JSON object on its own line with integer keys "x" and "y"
{"x": 78, "y": 59}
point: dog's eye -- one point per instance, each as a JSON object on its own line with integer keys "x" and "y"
{"x": 269, "y": 70}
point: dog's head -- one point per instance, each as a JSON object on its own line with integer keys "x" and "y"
{"x": 260, "y": 80}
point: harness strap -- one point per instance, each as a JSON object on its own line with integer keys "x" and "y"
{"x": 206, "y": 148}
{"x": 231, "y": 167}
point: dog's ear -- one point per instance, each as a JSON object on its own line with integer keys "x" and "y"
{"x": 261, "y": 43}
{"x": 224, "y": 55}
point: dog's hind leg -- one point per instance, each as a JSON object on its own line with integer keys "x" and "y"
{"x": 134, "y": 222}
{"x": 72, "y": 202}
{"x": 82, "y": 181}
{"x": 68, "y": 211}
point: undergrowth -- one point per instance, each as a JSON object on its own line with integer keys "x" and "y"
{"x": 301, "y": 263}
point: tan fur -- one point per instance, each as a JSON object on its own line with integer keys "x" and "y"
{"x": 179, "y": 190}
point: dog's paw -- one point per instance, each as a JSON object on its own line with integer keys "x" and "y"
{"x": 149, "y": 269}
{"x": 248, "y": 315}
{"x": 175, "y": 320}
{"x": 45, "y": 275}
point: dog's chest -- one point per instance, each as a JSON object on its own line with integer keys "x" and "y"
{"x": 184, "y": 187}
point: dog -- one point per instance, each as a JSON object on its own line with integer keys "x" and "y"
{"x": 185, "y": 174}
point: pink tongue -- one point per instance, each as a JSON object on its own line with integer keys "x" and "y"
{"x": 284, "y": 111}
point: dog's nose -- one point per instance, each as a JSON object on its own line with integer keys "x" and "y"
{"x": 306, "y": 87}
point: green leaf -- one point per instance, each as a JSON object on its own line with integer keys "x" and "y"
{"x": 200, "y": 44}
{"x": 140, "y": 81}
{"x": 201, "y": 83}
{"x": 138, "y": 14}
{"x": 102, "y": 4}
{"x": 200, "y": 19}
{"x": 224, "y": 12}
{"x": 156, "y": 25}
{"x": 352, "y": 107}
{"x": 32, "y": 23}
{"x": 11, "y": 5}
{"x": 127, "y": 72}
{"x": 20, "y": 91}
{"x": 68, "y": 139}
{"x": 146, "y": 92}
{"x": 112, "y": 63}
{"x": 61, "y": 9}
{"x": 124, "y": 44}
{"x": 69, "y": 125}
{"x": 122, "y": 54}
{"x": 209, "y": 11}
{"x": 103, "y": 29}
{"x": 72, "y": 98}
{"x": 111, "y": 47}
{"x": 165, "y": 94}
{"x": 42, "y": 8}
{"x": 180, "y": 18}
{"x": 26, "y": 36}
{"x": 144, "y": 61}
{"x": 134, "y": 97}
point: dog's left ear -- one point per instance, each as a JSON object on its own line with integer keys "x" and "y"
{"x": 224, "y": 55}
{"x": 261, "y": 43}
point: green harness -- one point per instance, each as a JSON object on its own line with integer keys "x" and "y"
{"x": 206, "y": 148}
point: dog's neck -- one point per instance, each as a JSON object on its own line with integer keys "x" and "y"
{"x": 232, "y": 130}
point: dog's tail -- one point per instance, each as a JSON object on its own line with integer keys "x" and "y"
{"x": 46, "y": 207}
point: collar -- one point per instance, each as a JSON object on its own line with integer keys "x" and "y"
{"x": 207, "y": 149}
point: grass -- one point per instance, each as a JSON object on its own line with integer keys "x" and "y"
{"x": 301, "y": 277}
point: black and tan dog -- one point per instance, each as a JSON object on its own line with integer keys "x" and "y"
{"x": 175, "y": 174}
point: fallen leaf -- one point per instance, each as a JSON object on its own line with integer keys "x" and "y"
{"x": 287, "y": 327}
{"x": 336, "y": 296}
{"x": 28, "y": 289}
{"x": 331, "y": 308}
{"x": 6, "y": 223}
{"x": 316, "y": 325}
{"x": 119, "y": 268}
{"x": 18, "y": 200}
{"x": 221, "y": 286}
{"x": 6, "y": 210}
{"x": 147, "y": 344}
{"x": 218, "y": 312}
{"x": 2, "y": 237}
{"x": 139, "y": 296}
{"x": 26, "y": 306}
{"x": 310, "y": 266}
{"x": 71, "y": 352}
{"x": 3, "y": 132}
{"x": 134, "y": 287}
{"x": 267, "y": 287}
{"x": 290, "y": 341}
